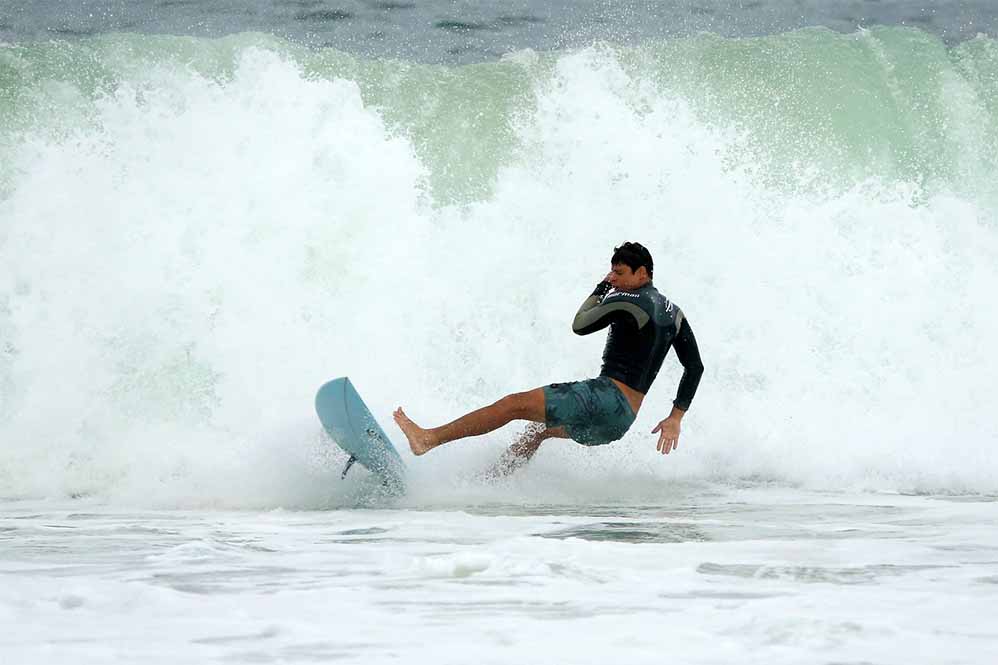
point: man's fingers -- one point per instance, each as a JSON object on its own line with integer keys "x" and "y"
{"x": 667, "y": 440}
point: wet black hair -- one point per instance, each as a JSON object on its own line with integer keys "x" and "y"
{"x": 633, "y": 255}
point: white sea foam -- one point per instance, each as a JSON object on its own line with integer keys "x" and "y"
{"x": 759, "y": 576}
{"x": 183, "y": 269}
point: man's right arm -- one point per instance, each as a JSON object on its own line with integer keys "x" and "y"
{"x": 595, "y": 314}
{"x": 587, "y": 319}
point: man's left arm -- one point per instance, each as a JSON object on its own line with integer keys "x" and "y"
{"x": 689, "y": 355}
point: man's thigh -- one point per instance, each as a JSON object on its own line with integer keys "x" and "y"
{"x": 529, "y": 405}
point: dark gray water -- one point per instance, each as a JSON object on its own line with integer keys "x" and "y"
{"x": 461, "y": 31}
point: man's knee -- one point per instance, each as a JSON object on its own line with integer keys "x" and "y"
{"x": 536, "y": 430}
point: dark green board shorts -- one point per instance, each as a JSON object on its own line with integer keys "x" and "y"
{"x": 593, "y": 412}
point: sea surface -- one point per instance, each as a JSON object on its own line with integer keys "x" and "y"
{"x": 207, "y": 210}
{"x": 466, "y": 31}
{"x": 698, "y": 574}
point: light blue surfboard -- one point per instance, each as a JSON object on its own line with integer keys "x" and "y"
{"x": 350, "y": 424}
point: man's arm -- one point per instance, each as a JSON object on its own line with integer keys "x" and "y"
{"x": 689, "y": 355}
{"x": 595, "y": 314}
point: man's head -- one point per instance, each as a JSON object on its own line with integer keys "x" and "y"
{"x": 631, "y": 266}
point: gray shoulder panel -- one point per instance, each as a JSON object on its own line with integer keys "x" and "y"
{"x": 587, "y": 317}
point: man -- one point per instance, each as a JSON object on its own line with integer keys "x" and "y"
{"x": 643, "y": 325}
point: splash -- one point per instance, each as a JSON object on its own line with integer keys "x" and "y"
{"x": 194, "y": 238}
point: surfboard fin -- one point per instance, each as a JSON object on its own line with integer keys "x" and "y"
{"x": 347, "y": 467}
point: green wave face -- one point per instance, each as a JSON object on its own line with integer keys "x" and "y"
{"x": 891, "y": 103}
{"x": 811, "y": 107}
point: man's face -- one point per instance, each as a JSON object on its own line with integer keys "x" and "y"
{"x": 623, "y": 278}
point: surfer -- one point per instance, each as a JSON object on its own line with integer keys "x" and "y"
{"x": 644, "y": 324}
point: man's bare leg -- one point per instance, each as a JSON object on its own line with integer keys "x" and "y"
{"x": 527, "y": 405}
{"x": 524, "y": 448}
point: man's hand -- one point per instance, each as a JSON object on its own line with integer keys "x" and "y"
{"x": 603, "y": 287}
{"x": 668, "y": 440}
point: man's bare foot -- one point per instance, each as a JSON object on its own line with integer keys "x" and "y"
{"x": 420, "y": 440}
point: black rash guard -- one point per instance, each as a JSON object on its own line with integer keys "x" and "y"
{"x": 643, "y": 325}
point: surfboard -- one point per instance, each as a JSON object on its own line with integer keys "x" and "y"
{"x": 351, "y": 426}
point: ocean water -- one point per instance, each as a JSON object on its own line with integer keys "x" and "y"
{"x": 699, "y": 574}
{"x": 202, "y": 219}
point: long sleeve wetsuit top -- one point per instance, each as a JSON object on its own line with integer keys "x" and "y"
{"x": 643, "y": 325}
